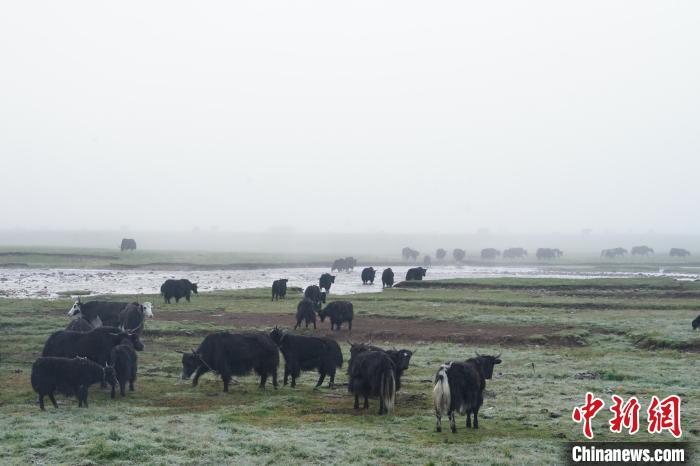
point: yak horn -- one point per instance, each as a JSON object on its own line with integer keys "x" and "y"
{"x": 477, "y": 353}
{"x": 498, "y": 355}
{"x": 414, "y": 352}
{"x": 179, "y": 352}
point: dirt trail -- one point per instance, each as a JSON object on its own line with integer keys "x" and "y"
{"x": 389, "y": 329}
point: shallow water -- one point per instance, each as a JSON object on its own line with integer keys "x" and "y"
{"x": 50, "y": 283}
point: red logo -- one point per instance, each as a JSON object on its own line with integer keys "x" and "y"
{"x": 587, "y": 412}
{"x": 626, "y": 415}
{"x": 665, "y": 415}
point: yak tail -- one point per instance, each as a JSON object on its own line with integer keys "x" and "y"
{"x": 441, "y": 391}
{"x": 388, "y": 389}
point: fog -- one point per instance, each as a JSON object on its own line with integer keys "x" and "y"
{"x": 374, "y": 116}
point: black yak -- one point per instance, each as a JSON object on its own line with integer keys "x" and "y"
{"x": 371, "y": 374}
{"x": 72, "y": 376}
{"x": 128, "y": 244}
{"x": 678, "y": 252}
{"x": 229, "y": 354}
{"x": 279, "y": 288}
{"x": 416, "y": 273}
{"x": 124, "y": 360}
{"x": 368, "y": 275}
{"x": 514, "y": 253}
{"x": 338, "y": 312}
{"x": 490, "y": 253}
{"x": 387, "y": 278}
{"x": 459, "y": 387}
{"x": 325, "y": 282}
{"x": 401, "y": 358}
{"x": 177, "y": 289}
{"x": 306, "y": 311}
{"x": 696, "y": 323}
{"x": 302, "y": 353}
{"x": 314, "y": 293}
{"x": 95, "y": 345}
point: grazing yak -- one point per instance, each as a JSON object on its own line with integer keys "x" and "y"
{"x": 314, "y": 293}
{"x": 229, "y": 354}
{"x": 128, "y": 244}
{"x": 490, "y": 253}
{"x": 302, "y": 353}
{"x": 440, "y": 254}
{"x": 99, "y": 313}
{"x": 350, "y": 263}
{"x": 416, "y": 273}
{"x": 79, "y": 324}
{"x": 368, "y": 275}
{"x": 177, "y": 289}
{"x": 459, "y": 254}
{"x": 613, "y": 253}
{"x": 548, "y": 253}
{"x": 678, "y": 252}
{"x": 279, "y": 288}
{"x": 514, "y": 253}
{"x": 427, "y": 261}
{"x": 696, "y": 323}
{"x": 72, "y": 376}
{"x": 408, "y": 253}
{"x": 642, "y": 251}
{"x": 338, "y": 264}
{"x": 132, "y": 318}
{"x": 401, "y": 358}
{"x": 371, "y": 374}
{"x": 459, "y": 387}
{"x": 95, "y": 345}
{"x": 325, "y": 282}
{"x": 124, "y": 360}
{"x": 306, "y": 311}
{"x": 338, "y": 312}
{"x": 387, "y": 278}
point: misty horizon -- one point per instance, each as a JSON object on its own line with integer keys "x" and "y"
{"x": 363, "y": 118}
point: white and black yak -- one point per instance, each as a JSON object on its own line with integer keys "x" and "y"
{"x": 371, "y": 374}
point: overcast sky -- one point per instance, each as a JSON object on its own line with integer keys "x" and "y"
{"x": 351, "y": 116}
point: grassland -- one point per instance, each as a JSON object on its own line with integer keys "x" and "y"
{"x": 559, "y": 339}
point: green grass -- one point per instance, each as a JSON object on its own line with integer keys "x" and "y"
{"x": 636, "y": 339}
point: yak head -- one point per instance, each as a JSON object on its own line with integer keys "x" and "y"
{"x": 332, "y": 278}
{"x": 696, "y": 323}
{"x": 323, "y": 300}
{"x": 147, "y": 309}
{"x": 277, "y": 335}
{"x": 110, "y": 375}
{"x": 486, "y": 363}
{"x": 122, "y": 336}
{"x": 402, "y": 358}
{"x": 194, "y": 288}
{"x": 190, "y": 363}
{"x": 75, "y": 308}
{"x": 322, "y": 313}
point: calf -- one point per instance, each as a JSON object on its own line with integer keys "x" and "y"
{"x": 338, "y": 312}
{"x": 229, "y": 354}
{"x": 368, "y": 275}
{"x": 279, "y": 288}
{"x": 306, "y": 311}
{"x": 79, "y": 325}
{"x": 326, "y": 281}
{"x": 387, "y": 278}
{"x": 124, "y": 360}
{"x": 459, "y": 386}
{"x": 303, "y": 353}
{"x": 372, "y": 375}
{"x": 95, "y": 345}
{"x": 68, "y": 375}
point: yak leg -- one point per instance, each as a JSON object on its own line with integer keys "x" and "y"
{"x": 331, "y": 384}
{"x": 122, "y": 387}
{"x": 286, "y": 373}
{"x": 53, "y": 400}
{"x": 41, "y": 402}
{"x": 381, "y": 405}
{"x": 469, "y": 419}
{"x": 453, "y": 426}
{"x": 111, "y": 395}
{"x": 349, "y": 326}
{"x": 227, "y": 380}
{"x": 263, "y": 380}
{"x": 366, "y": 402}
{"x": 320, "y": 379}
{"x": 314, "y": 325}
{"x": 187, "y": 297}
{"x": 200, "y": 370}
{"x": 357, "y": 401}
{"x": 274, "y": 378}
{"x": 438, "y": 421}
{"x": 476, "y": 417}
